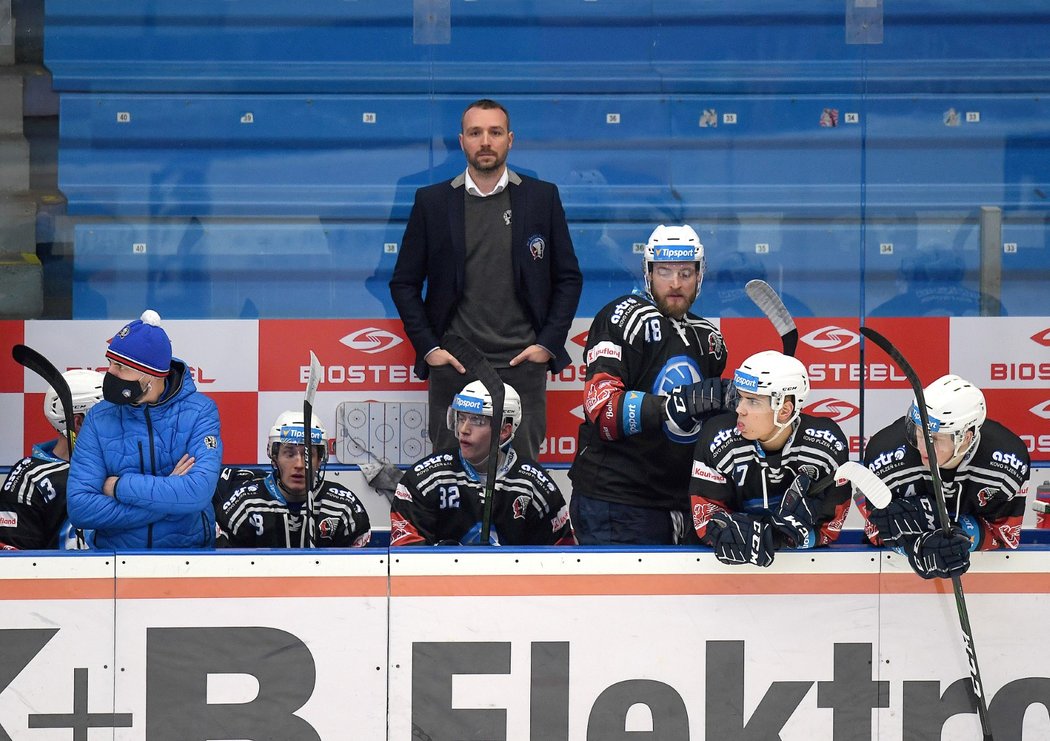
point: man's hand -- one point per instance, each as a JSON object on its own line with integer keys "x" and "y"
{"x": 738, "y": 538}
{"x": 904, "y": 517}
{"x": 442, "y": 357}
{"x": 688, "y": 406}
{"x": 532, "y": 354}
{"x": 185, "y": 464}
{"x": 940, "y": 555}
{"x": 109, "y": 486}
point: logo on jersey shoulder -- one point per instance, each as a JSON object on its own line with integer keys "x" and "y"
{"x": 604, "y": 349}
{"x": 16, "y": 473}
{"x": 328, "y": 527}
{"x": 723, "y": 436}
{"x": 1010, "y": 460}
{"x": 402, "y": 492}
{"x": 705, "y": 473}
{"x": 621, "y": 309}
{"x": 211, "y": 442}
{"x": 826, "y": 436}
{"x": 716, "y": 345}
{"x": 432, "y": 462}
{"x": 887, "y": 458}
{"x": 984, "y": 496}
{"x": 8, "y": 519}
{"x": 520, "y": 505}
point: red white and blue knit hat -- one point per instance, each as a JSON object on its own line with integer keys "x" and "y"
{"x": 142, "y": 345}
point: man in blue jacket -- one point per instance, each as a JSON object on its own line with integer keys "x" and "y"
{"x": 148, "y": 456}
{"x": 494, "y": 251}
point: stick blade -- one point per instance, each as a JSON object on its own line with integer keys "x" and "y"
{"x": 865, "y": 482}
{"x": 314, "y": 379}
{"x": 766, "y": 299}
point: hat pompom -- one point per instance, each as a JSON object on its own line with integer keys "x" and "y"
{"x": 149, "y": 316}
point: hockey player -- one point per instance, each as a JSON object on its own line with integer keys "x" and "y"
{"x": 440, "y": 500}
{"x": 653, "y": 375}
{"x": 753, "y": 469}
{"x": 33, "y": 499}
{"x": 982, "y": 468}
{"x": 271, "y": 509}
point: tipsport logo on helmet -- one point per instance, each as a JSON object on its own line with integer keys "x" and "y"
{"x": 916, "y": 418}
{"x": 469, "y": 404}
{"x": 745, "y": 381}
{"x": 676, "y": 253}
{"x": 295, "y": 435}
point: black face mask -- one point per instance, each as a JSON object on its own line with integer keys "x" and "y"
{"x": 118, "y": 391}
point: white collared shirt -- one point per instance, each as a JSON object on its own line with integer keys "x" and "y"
{"x": 472, "y": 187}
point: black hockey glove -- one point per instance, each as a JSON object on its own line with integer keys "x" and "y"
{"x": 940, "y": 555}
{"x": 796, "y": 518}
{"x": 904, "y": 516}
{"x": 687, "y": 406}
{"x": 738, "y": 538}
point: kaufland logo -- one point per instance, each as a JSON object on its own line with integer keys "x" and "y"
{"x": 371, "y": 340}
{"x": 831, "y": 339}
{"x": 1042, "y": 338}
{"x": 835, "y": 409}
{"x": 1041, "y": 410}
{"x": 672, "y": 254}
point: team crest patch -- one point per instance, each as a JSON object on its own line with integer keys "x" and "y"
{"x": 715, "y": 344}
{"x": 211, "y": 442}
{"x": 519, "y": 506}
{"x": 536, "y": 246}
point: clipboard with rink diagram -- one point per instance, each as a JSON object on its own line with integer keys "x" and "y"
{"x": 377, "y": 431}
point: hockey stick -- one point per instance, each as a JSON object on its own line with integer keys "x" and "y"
{"x": 34, "y": 361}
{"x": 308, "y": 443}
{"x": 766, "y": 299}
{"x": 476, "y": 364}
{"x": 866, "y": 485}
{"x": 942, "y": 513}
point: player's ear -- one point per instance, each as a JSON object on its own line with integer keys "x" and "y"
{"x": 786, "y": 410}
{"x": 78, "y": 422}
{"x": 505, "y": 433}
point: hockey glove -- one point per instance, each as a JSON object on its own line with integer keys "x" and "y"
{"x": 940, "y": 555}
{"x": 738, "y": 538}
{"x": 796, "y": 518}
{"x": 904, "y": 516}
{"x": 687, "y": 406}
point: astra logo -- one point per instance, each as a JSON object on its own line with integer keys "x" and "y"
{"x": 371, "y": 340}
{"x": 1041, "y": 410}
{"x": 831, "y": 339}
{"x": 837, "y": 409}
{"x": 1042, "y": 338}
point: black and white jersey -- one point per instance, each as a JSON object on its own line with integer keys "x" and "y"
{"x": 252, "y": 512}
{"x": 635, "y": 356}
{"x": 440, "y": 500}
{"x": 982, "y": 494}
{"x": 736, "y": 475}
{"x": 33, "y": 500}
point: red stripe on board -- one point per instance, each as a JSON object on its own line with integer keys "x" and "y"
{"x": 193, "y": 587}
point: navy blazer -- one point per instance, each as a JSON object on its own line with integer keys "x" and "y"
{"x": 547, "y": 278}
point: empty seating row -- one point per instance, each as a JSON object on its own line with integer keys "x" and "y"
{"x": 556, "y": 46}
{"x": 615, "y": 158}
{"x": 324, "y": 269}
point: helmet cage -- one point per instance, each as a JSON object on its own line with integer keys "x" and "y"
{"x": 778, "y": 376}
{"x": 288, "y": 429}
{"x": 476, "y": 399}
{"x": 673, "y": 244}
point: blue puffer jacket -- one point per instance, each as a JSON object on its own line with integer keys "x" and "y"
{"x": 141, "y": 445}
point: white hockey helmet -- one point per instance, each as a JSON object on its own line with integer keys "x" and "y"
{"x": 776, "y": 375}
{"x": 85, "y": 386}
{"x": 673, "y": 244}
{"x": 288, "y": 428}
{"x": 953, "y": 406}
{"x": 476, "y": 399}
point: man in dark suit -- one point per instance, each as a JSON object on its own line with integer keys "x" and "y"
{"x": 494, "y": 251}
